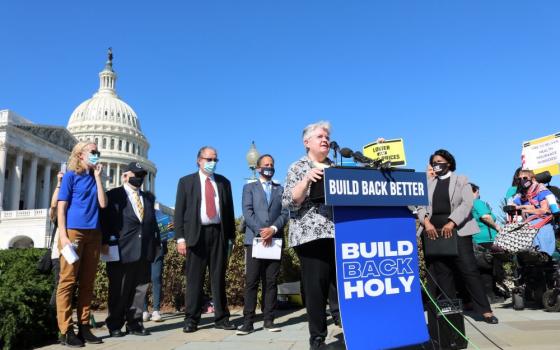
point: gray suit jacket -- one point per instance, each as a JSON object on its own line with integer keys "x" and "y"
{"x": 258, "y": 213}
{"x": 461, "y": 197}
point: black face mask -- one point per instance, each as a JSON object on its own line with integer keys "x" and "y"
{"x": 440, "y": 169}
{"x": 524, "y": 185}
{"x": 136, "y": 181}
{"x": 267, "y": 172}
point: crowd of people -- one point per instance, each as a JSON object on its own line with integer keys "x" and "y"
{"x": 91, "y": 221}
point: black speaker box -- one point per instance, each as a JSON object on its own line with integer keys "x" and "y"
{"x": 442, "y": 334}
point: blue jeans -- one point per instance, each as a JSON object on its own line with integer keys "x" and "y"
{"x": 157, "y": 274}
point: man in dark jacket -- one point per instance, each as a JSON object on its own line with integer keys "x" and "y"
{"x": 204, "y": 223}
{"x": 129, "y": 221}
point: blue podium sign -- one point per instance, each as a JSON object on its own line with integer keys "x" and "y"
{"x": 377, "y": 258}
{"x": 368, "y": 187}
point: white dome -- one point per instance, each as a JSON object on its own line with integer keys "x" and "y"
{"x": 106, "y": 109}
{"x": 112, "y": 124}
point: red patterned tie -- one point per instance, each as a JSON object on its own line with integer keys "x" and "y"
{"x": 209, "y": 196}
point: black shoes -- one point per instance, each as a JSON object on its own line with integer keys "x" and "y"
{"x": 190, "y": 328}
{"x": 226, "y": 325}
{"x": 269, "y": 326}
{"x": 245, "y": 329}
{"x": 85, "y": 335}
{"x": 491, "y": 319}
{"x": 70, "y": 339}
{"x": 138, "y": 330}
{"x": 336, "y": 321}
{"x": 317, "y": 343}
{"x": 116, "y": 333}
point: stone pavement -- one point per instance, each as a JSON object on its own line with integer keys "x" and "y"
{"x": 528, "y": 329}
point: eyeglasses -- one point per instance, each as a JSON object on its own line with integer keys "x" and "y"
{"x": 438, "y": 163}
{"x": 524, "y": 178}
{"x": 95, "y": 152}
{"x": 210, "y": 159}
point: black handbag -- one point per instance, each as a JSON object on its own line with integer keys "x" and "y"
{"x": 45, "y": 264}
{"x": 483, "y": 257}
{"x": 440, "y": 246}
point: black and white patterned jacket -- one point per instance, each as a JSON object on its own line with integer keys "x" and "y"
{"x": 308, "y": 221}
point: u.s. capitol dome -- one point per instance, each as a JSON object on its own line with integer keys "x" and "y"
{"x": 114, "y": 126}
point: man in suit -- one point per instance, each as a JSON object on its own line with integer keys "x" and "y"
{"x": 129, "y": 221}
{"x": 264, "y": 218}
{"x": 204, "y": 224}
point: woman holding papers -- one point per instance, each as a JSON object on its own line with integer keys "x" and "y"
{"x": 312, "y": 228}
{"x": 447, "y": 227}
{"x": 80, "y": 197}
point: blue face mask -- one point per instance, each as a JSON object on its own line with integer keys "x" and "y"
{"x": 210, "y": 167}
{"x": 93, "y": 159}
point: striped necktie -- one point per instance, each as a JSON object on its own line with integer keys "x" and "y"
{"x": 139, "y": 205}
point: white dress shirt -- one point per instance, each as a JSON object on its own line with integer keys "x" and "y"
{"x": 204, "y": 219}
{"x": 131, "y": 197}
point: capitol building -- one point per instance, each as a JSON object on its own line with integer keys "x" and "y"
{"x": 31, "y": 155}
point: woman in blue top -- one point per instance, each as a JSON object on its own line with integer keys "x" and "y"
{"x": 80, "y": 196}
{"x": 531, "y": 200}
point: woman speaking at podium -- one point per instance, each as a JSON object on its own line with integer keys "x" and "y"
{"x": 312, "y": 228}
{"x": 447, "y": 227}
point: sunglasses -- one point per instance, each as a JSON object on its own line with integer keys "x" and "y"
{"x": 523, "y": 178}
{"x": 210, "y": 159}
{"x": 438, "y": 163}
{"x": 95, "y": 152}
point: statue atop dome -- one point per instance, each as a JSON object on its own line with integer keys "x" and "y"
{"x": 110, "y": 55}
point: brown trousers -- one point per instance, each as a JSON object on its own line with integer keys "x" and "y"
{"x": 82, "y": 273}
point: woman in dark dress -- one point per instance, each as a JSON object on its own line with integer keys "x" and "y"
{"x": 451, "y": 202}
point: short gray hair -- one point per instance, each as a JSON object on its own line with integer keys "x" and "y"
{"x": 204, "y": 148}
{"x": 322, "y": 124}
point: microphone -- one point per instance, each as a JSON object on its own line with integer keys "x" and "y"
{"x": 346, "y": 152}
{"x": 334, "y": 146}
{"x": 359, "y": 156}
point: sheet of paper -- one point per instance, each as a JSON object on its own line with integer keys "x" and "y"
{"x": 112, "y": 255}
{"x": 271, "y": 252}
{"x": 69, "y": 254}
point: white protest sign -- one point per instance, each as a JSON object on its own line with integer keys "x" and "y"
{"x": 542, "y": 154}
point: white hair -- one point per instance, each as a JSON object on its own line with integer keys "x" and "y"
{"x": 308, "y": 130}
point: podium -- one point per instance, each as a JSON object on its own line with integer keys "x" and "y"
{"x": 376, "y": 255}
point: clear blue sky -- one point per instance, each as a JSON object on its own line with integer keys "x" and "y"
{"x": 475, "y": 77}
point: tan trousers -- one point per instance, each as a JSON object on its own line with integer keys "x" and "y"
{"x": 81, "y": 273}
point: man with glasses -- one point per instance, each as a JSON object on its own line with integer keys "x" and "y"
{"x": 129, "y": 222}
{"x": 204, "y": 223}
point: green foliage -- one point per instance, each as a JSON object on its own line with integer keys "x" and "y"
{"x": 26, "y": 320}
{"x": 290, "y": 270}
{"x": 235, "y": 272}
{"x": 173, "y": 286}
{"x": 100, "y": 287}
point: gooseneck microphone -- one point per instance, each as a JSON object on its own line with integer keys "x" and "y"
{"x": 361, "y": 158}
{"x": 336, "y": 148}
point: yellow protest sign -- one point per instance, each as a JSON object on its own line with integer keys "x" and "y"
{"x": 389, "y": 151}
{"x": 542, "y": 154}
